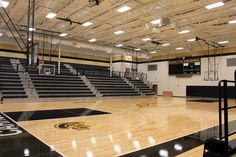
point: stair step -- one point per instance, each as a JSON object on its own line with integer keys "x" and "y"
{"x": 59, "y": 85}
{"x": 14, "y": 96}
{"x": 62, "y": 91}
{"x": 124, "y": 92}
{"x": 120, "y": 94}
{"x": 65, "y": 95}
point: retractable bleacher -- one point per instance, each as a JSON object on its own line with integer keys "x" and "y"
{"x": 64, "y": 85}
{"x": 34, "y": 69}
{"x": 112, "y": 86}
{"x": 144, "y": 88}
{"x": 10, "y": 83}
{"x": 99, "y": 76}
{"x": 91, "y": 70}
{"x": 67, "y": 83}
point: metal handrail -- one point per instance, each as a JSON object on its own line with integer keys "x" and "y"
{"x": 1, "y": 92}
{"x": 1, "y": 95}
{"x": 102, "y": 72}
{"x": 132, "y": 75}
{"x": 224, "y": 84}
{"x": 92, "y": 72}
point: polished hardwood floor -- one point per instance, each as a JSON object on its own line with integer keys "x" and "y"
{"x": 133, "y": 124}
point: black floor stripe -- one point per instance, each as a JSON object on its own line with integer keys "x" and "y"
{"x": 51, "y": 114}
{"x": 17, "y": 142}
{"x": 180, "y": 145}
{"x": 204, "y": 100}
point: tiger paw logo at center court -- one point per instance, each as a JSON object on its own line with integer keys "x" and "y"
{"x": 73, "y": 125}
{"x": 143, "y": 105}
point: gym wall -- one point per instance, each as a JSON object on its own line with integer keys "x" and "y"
{"x": 177, "y": 84}
{"x": 12, "y": 51}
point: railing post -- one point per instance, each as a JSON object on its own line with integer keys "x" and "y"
{"x": 220, "y": 108}
{"x": 226, "y": 129}
{"x": 235, "y": 85}
{"x": 235, "y": 77}
{"x": 1, "y": 97}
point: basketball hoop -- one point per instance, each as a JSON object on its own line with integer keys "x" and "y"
{"x": 47, "y": 69}
{"x": 211, "y": 76}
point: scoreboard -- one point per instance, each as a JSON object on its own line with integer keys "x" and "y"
{"x": 185, "y": 66}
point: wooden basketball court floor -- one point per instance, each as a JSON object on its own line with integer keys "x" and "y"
{"x": 131, "y": 125}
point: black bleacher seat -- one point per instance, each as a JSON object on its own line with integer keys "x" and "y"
{"x": 10, "y": 83}
{"x": 34, "y": 70}
{"x": 65, "y": 84}
{"x": 144, "y": 88}
{"x": 91, "y": 70}
{"x": 60, "y": 86}
{"x": 112, "y": 86}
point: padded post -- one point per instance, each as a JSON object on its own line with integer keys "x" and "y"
{"x": 235, "y": 76}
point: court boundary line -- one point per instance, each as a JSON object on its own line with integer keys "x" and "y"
{"x": 59, "y": 152}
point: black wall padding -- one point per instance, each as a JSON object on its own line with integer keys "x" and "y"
{"x": 208, "y": 91}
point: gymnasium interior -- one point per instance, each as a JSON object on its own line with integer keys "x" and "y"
{"x": 117, "y": 78}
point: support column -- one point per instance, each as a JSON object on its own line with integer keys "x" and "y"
{"x": 59, "y": 61}
{"x": 36, "y": 50}
{"x": 32, "y": 32}
{"x": 30, "y": 24}
{"x": 111, "y": 65}
{"x": 27, "y": 40}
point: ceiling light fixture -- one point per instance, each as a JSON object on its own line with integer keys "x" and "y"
{"x": 223, "y": 42}
{"x": 233, "y": 21}
{"x": 215, "y": 5}
{"x": 194, "y": 39}
{"x": 184, "y": 31}
{"x": 146, "y": 39}
{"x": 92, "y": 40}
{"x": 165, "y": 44}
{"x": 86, "y": 24}
{"x": 63, "y": 34}
{"x": 156, "y": 22}
{"x": 4, "y": 4}
{"x": 32, "y": 29}
{"x": 119, "y": 45}
{"x": 119, "y": 32}
{"x": 153, "y": 52}
{"x": 123, "y": 9}
{"x": 137, "y": 49}
{"x": 51, "y": 15}
{"x": 179, "y": 48}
